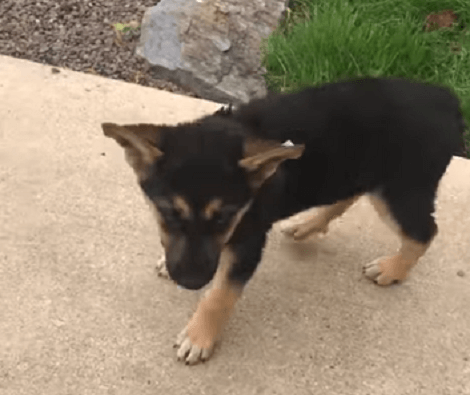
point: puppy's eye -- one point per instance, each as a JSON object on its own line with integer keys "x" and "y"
{"x": 170, "y": 214}
{"x": 220, "y": 220}
{"x": 223, "y": 218}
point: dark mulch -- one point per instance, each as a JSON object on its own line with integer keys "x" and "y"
{"x": 79, "y": 35}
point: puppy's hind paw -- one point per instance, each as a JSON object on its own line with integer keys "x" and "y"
{"x": 385, "y": 270}
{"x": 302, "y": 230}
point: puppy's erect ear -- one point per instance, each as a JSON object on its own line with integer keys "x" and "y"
{"x": 139, "y": 141}
{"x": 263, "y": 157}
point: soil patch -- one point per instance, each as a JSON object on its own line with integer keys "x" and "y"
{"x": 80, "y": 35}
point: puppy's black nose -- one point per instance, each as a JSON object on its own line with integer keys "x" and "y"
{"x": 192, "y": 284}
{"x": 187, "y": 278}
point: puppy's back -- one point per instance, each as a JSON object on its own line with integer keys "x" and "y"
{"x": 362, "y": 132}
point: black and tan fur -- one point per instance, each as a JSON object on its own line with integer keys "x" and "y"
{"x": 219, "y": 183}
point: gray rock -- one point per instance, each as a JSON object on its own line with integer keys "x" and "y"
{"x": 210, "y": 46}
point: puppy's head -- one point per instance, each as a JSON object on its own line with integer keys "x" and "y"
{"x": 200, "y": 178}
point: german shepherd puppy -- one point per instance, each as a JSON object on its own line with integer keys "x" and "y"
{"x": 218, "y": 184}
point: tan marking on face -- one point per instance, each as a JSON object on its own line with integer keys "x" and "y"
{"x": 182, "y": 206}
{"x": 164, "y": 235}
{"x": 233, "y": 225}
{"x": 212, "y": 208}
{"x": 215, "y": 308}
{"x": 318, "y": 222}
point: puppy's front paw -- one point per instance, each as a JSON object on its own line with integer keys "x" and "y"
{"x": 161, "y": 268}
{"x": 192, "y": 347}
{"x": 196, "y": 342}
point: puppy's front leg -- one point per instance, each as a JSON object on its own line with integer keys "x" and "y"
{"x": 160, "y": 267}
{"x": 196, "y": 342}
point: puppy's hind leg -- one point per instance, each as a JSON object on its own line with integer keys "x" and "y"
{"x": 409, "y": 214}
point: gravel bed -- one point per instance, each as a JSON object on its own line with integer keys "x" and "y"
{"x": 80, "y": 35}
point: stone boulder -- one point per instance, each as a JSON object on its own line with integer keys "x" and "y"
{"x": 211, "y": 46}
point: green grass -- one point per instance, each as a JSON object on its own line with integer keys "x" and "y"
{"x": 326, "y": 40}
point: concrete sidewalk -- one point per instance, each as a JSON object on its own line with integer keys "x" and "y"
{"x": 82, "y": 311}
